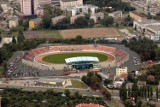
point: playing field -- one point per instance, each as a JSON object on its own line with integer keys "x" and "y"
{"x": 91, "y": 33}
{"x": 60, "y": 58}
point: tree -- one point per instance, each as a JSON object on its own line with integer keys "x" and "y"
{"x": 46, "y": 21}
{"x": 81, "y": 22}
{"x": 128, "y": 103}
{"x": 77, "y": 95}
{"x": 90, "y": 74}
{"x": 123, "y": 93}
{"x": 139, "y": 103}
{"x": 107, "y": 81}
{"x": 86, "y": 80}
{"x": 106, "y": 93}
{"x": 107, "y": 21}
{"x": 128, "y": 21}
{"x": 67, "y": 92}
{"x": 63, "y": 24}
{"x": 91, "y": 22}
{"x": 20, "y": 37}
{"x": 158, "y": 53}
{"x": 0, "y": 37}
{"x": 5, "y": 68}
{"x": 14, "y": 40}
{"x": 157, "y": 93}
{"x": 151, "y": 92}
{"x": 129, "y": 92}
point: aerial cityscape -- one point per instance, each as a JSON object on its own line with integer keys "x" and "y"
{"x": 79, "y": 53}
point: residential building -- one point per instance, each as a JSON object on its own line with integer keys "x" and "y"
{"x": 55, "y": 20}
{"x": 30, "y": 7}
{"x": 73, "y": 18}
{"x": 70, "y": 3}
{"x": 88, "y": 9}
{"x": 55, "y": 2}
{"x": 142, "y": 25}
{"x": 150, "y": 28}
{"x": 116, "y": 14}
{"x": 44, "y": 2}
{"x": 120, "y": 71}
{"x": 136, "y": 16}
{"x": 5, "y": 8}
{"x": 34, "y": 23}
{"x": 97, "y": 17}
{"x": 13, "y": 22}
{"x": 153, "y": 32}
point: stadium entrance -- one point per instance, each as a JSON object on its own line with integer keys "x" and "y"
{"x": 82, "y": 66}
{"x": 78, "y": 64}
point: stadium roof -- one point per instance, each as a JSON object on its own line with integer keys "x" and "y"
{"x": 81, "y": 59}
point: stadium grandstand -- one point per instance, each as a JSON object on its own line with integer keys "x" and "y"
{"x": 27, "y": 63}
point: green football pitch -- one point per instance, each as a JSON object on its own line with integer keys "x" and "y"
{"x": 60, "y": 58}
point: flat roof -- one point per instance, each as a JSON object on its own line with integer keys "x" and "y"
{"x": 148, "y": 21}
{"x": 154, "y": 27}
{"x": 81, "y": 59}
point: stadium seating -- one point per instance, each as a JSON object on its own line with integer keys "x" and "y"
{"x": 119, "y": 54}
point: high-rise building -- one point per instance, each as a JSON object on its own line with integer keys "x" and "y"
{"x": 29, "y": 7}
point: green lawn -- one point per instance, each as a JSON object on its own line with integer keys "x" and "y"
{"x": 77, "y": 84}
{"x": 50, "y": 34}
{"x": 154, "y": 87}
{"x": 60, "y": 58}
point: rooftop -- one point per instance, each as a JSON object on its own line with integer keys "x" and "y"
{"x": 148, "y": 21}
{"x": 139, "y": 14}
{"x": 82, "y": 59}
{"x": 58, "y": 17}
{"x": 154, "y": 27}
{"x": 37, "y": 20}
{"x": 89, "y": 105}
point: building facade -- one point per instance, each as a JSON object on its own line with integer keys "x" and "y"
{"x": 150, "y": 28}
{"x": 116, "y": 14}
{"x": 70, "y": 3}
{"x": 13, "y": 22}
{"x": 88, "y": 9}
{"x": 30, "y": 7}
{"x": 34, "y": 23}
{"x": 136, "y": 16}
{"x": 55, "y": 20}
{"x": 120, "y": 71}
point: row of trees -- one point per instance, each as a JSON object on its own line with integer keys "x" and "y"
{"x": 134, "y": 94}
{"x": 145, "y": 47}
{"x": 116, "y": 4}
{"x": 152, "y": 75}
{"x": 94, "y": 81}
{"x": 19, "y": 98}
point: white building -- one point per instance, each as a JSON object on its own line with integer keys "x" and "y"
{"x": 82, "y": 9}
{"x": 150, "y": 28}
{"x": 55, "y": 20}
{"x": 5, "y": 8}
{"x": 13, "y": 22}
{"x": 120, "y": 71}
{"x": 70, "y": 3}
{"x": 116, "y": 14}
{"x": 142, "y": 25}
{"x": 153, "y": 32}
